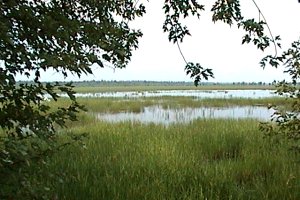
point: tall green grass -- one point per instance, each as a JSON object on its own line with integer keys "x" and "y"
{"x": 206, "y": 159}
{"x": 120, "y": 88}
{"x": 135, "y": 105}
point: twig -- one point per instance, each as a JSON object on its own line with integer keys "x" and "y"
{"x": 181, "y": 52}
{"x": 269, "y": 29}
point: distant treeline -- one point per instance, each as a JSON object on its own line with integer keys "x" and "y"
{"x": 152, "y": 83}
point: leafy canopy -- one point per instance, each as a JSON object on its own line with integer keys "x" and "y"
{"x": 68, "y": 37}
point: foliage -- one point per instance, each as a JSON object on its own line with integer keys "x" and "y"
{"x": 64, "y": 36}
{"x": 287, "y": 122}
{"x": 174, "y": 11}
{"x": 227, "y": 11}
{"x": 197, "y": 72}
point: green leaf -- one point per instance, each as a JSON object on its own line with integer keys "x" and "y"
{"x": 99, "y": 62}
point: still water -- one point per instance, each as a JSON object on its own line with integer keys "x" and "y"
{"x": 192, "y": 93}
{"x": 159, "y": 115}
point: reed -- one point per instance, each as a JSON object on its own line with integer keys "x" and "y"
{"x": 141, "y": 87}
{"x": 205, "y": 159}
{"x": 114, "y": 105}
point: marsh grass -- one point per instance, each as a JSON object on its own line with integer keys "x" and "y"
{"x": 113, "y": 105}
{"x": 143, "y": 87}
{"x": 206, "y": 159}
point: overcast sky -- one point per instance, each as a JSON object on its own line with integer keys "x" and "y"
{"x": 215, "y": 46}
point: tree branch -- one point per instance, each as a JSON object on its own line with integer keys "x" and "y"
{"x": 269, "y": 29}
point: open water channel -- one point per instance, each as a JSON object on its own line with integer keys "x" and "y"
{"x": 160, "y": 115}
{"x": 187, "y": 93}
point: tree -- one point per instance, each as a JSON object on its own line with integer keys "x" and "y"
{"x": 286, "y": 120}
{"x": 68, "y": 37}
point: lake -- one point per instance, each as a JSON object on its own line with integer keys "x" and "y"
{"x": 159, "y": 115}
{"x": 187, "y": 93}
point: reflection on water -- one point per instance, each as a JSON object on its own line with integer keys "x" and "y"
{"x": 159, "y": 115}
{"x": 193, "y": 93}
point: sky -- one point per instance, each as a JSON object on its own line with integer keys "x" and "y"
{"x": 217, "y": 46}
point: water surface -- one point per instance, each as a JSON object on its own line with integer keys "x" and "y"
{"x": 188, "y": 93}
{"x": 159, "y": 115}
